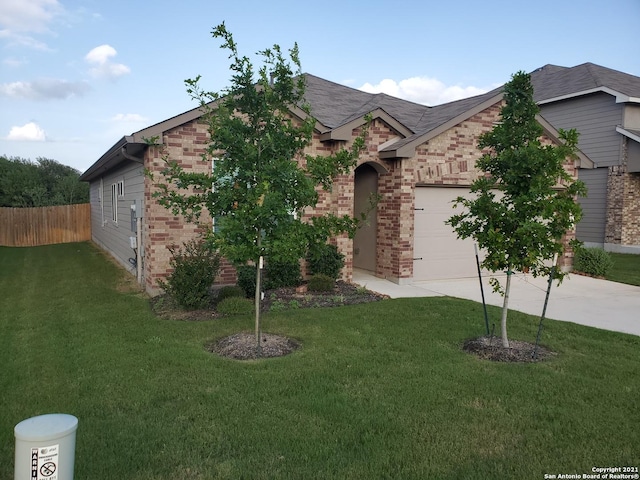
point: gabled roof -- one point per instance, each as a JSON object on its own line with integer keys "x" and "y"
{"x": 339, "y": 109}
{"x": 334, "y": 105}
{"x": 552, "y": 83}
{"x": 337, "y": 106}
{"x": 440, "y": 119}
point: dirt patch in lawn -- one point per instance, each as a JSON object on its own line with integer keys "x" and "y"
{"x": 490, "y": 348}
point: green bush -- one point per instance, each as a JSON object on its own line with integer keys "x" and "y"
{"x": 247, "y": 279}
{"x": 593, "y": 261}
{"x": 326, "y": 260}
{"x": 236, "y": 306}
{"x": 195, "y": 267}
{"x": 321, "y": 283}
{"x": 230, "y": 291}
{"x": 282, "y": 274}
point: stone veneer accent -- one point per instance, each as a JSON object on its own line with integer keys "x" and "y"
{"x": 447, "y": 159}
{"x": 623, "y": 204}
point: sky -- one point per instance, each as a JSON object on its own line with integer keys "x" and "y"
{"x": 78, "y": 75}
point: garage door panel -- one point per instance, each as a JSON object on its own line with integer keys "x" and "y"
{"x": 438, "y": 253}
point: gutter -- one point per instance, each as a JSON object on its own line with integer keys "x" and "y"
{"x": 125, "y": 154}
{"x": 114, "y": 156}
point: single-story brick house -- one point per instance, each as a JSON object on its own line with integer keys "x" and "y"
{"x": 418, "y": 159}
{"x": 604, "y": 106}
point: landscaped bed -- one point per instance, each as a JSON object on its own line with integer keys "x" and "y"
{"x": 377, "y": 390}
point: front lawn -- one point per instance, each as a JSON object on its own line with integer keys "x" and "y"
{"x": 379, "y": 390}
{"x": 626, "y": 269}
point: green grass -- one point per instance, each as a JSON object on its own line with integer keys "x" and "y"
{"x": 380, "y": 390}
{"x": 626, "y": 269}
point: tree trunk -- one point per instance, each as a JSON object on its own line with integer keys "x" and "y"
{"x": 505, "y": 309}
{"x": 257, "y": 302}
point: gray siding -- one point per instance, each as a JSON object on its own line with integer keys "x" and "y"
{"x": 595, "y": 117}
{"x": 110, "y": 235}
{"x": 591, "y": 228}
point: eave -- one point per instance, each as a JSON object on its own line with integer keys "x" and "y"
{"x": 632, "y": 134}
{"x": 125, "y": 149}
{"x": 620, "y": 97}
{"x": 550, "y": 131}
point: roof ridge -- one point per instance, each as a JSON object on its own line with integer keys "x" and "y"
{"x": 335, "y": 83}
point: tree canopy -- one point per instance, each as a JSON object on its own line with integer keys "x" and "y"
{"x": 45, "y": 182}
{"x": 261, "y": 181}
{"x": 526, "y": 201}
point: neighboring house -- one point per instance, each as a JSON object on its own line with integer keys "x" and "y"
{"x": 418, "y": 159}
{"x": 604, "y": 106}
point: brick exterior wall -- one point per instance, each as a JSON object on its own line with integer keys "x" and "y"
{"x": 447, "y": 159}
{"x": 185, "y": 144}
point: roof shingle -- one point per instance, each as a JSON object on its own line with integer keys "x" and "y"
{"x": 552, "y": 81}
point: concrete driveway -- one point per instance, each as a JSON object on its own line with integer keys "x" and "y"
{"x": 583, "y": 300}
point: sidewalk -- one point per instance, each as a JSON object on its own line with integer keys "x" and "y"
{"x": 579, "y": 299}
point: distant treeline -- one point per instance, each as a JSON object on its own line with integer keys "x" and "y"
{"x": 45, "y": 182}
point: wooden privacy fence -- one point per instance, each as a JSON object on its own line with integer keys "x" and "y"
{"x": 30, "y": 227}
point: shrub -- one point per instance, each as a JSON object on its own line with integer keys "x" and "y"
{"x": 236, "y": 306}
{"x": 326, "y": 260}
{"x": 247, "y": 279}
{"x": 282, "y": 274}
{"x": 593, "y": 261}
{"x": 321, "y": 283}
{"x": 195, "y": 267}
{"x": 230, "y": 291}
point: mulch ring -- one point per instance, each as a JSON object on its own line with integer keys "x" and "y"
{"x": 343, "y": 293}
{"x": 242, "y": 346}
{"x": 490, "y": 348}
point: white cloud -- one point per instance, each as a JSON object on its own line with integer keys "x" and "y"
{"x": 425, "y": 90}
{"x": 44, "y": 89}
{"x": 30, "y": 132}
{"x": 101, "y": 54}
{"x": 101, "y": 57}
{"x": 129, "y": 118}
{"x": 19, "y": 19}
{"x": 29, "y": 15}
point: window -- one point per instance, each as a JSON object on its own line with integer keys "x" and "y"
{"x": 117, "y": 191}
{"x": 114, "y": 202}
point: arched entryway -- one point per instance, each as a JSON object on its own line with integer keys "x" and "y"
{"x": 365, "y": 242}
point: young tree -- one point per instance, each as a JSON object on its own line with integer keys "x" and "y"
{"x": 522, "y": 228}
{"x": 261, "y": 182}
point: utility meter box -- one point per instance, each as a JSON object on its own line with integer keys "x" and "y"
{"x": 45, "y": 447}
{"x": 134, "y": 223}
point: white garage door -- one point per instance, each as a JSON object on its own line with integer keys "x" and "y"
{"x": 437, "y": 252}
